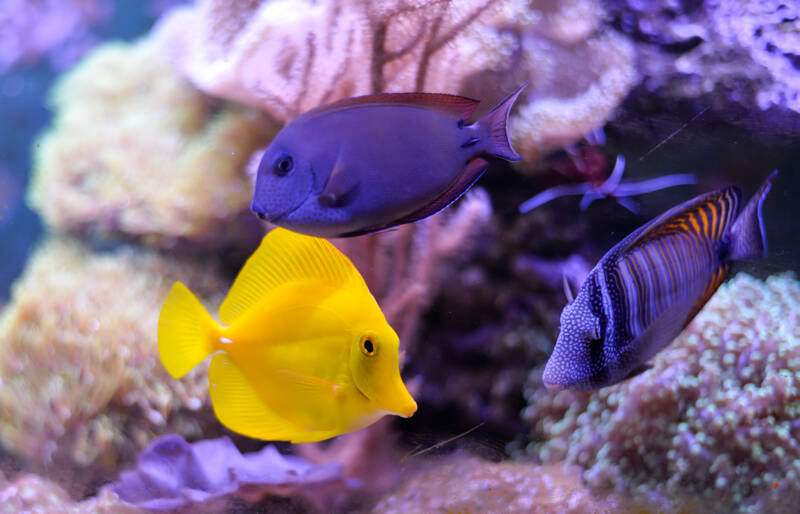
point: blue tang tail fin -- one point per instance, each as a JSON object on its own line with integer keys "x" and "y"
{"x": 495, "y": 124}
{"x": 748, "y": 238}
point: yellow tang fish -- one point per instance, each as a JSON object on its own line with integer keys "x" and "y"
{"x": 305, "y": 352}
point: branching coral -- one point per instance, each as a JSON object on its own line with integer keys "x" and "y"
{"x": 288, "y": 56}
{"x": 717, "y": 414}
{"x": 135, "y": 151}
{"x": 81, "y": 381}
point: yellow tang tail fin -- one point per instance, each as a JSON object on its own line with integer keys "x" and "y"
{"x": 186, "y": 331}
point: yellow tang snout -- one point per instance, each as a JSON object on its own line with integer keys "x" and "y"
{"x": 400, "y": 401}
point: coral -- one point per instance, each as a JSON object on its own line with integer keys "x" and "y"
{"x": 730, "y": 51}
{"x": 468, "y": 484}
{"x": 32, "y": 493}
{"x": 370, "y": 456}
{"x": 81, "y": 384}
{"x": 291, "y": 55}
{"x": 492, "y": 321}
{"x": 32, "y": 28}
{"x": 172, "y": 474}
{"x": 715, "y": 416}
{"x": 135, "y": 151}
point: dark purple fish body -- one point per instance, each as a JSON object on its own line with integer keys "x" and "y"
{"x": 647, "y": 288}
{"x": 368, "y": 163}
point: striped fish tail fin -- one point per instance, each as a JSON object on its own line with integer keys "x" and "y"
{"x": 748, "y": 240}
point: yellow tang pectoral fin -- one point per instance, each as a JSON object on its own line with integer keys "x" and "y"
{"x": 240, "y": 408}
{"x": 285, "y": 257}
{"x": 314, "y": 388}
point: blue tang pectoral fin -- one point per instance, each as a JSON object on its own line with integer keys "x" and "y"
{"x": 341, "y": 187}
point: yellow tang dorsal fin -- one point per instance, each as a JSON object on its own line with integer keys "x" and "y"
{"x": 284, "y": 257}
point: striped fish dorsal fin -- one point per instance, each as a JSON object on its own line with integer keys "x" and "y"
{"x": 708, "y": 216}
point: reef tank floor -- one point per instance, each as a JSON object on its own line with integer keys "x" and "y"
{"x": 407, "y": 361}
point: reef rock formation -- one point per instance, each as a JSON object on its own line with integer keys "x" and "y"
{"x": 31, "y": 493}
{"x": 288, "y": 56}
{"x": 716, "y": 416}
{"x": 82, "y": 387}
{"x": 468, "y": 484}
{"x": 135, "y": 151}
{"x": 721, "y": 51}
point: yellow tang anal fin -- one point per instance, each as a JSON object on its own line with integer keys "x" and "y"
{"x": 186, "y": 332}
{"x": 239, "y": 407}
{"x": 284, "y": 257}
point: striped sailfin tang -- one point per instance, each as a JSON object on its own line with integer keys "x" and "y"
{"x": 675, "y": 259}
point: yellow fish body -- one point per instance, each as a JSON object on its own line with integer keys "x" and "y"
{"x": 304, "y": 352}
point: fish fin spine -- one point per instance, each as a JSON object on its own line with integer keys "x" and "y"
{"x": 748, "y": 239}
{"x": 186, "y": 331}
{"x": 495, "y": 125}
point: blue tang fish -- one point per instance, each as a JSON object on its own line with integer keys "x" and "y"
{"x": 647, "y": 288}
{"x": 371, "y": 162}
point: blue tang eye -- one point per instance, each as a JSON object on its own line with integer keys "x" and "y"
{"x": 283, "y": 165}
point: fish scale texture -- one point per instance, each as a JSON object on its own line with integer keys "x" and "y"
{"x": 716, "y": 416}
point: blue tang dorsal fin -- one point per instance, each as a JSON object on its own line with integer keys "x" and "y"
{"x": 459, "y": 107}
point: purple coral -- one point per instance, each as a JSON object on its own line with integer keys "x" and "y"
{"x": 172, "y": 473}
{"x": 32, "y": 28}
{"x": 715, "y": 416}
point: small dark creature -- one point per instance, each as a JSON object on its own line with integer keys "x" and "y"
{"x": 372, "y": 162}
{"x": 647, "y": 288}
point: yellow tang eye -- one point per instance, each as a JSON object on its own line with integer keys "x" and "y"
{"x": 368, "y": 346}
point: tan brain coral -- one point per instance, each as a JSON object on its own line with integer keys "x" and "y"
{"x": 82, "y": 385}
{"x": 134, "y": 150}
{"x": 288, "y": 56}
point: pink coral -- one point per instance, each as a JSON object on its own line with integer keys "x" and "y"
{"x": 717, "y": 414}
{"x": 288, "y": 56}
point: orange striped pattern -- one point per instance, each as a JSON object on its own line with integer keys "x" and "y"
{"x": 679, "y": 259}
